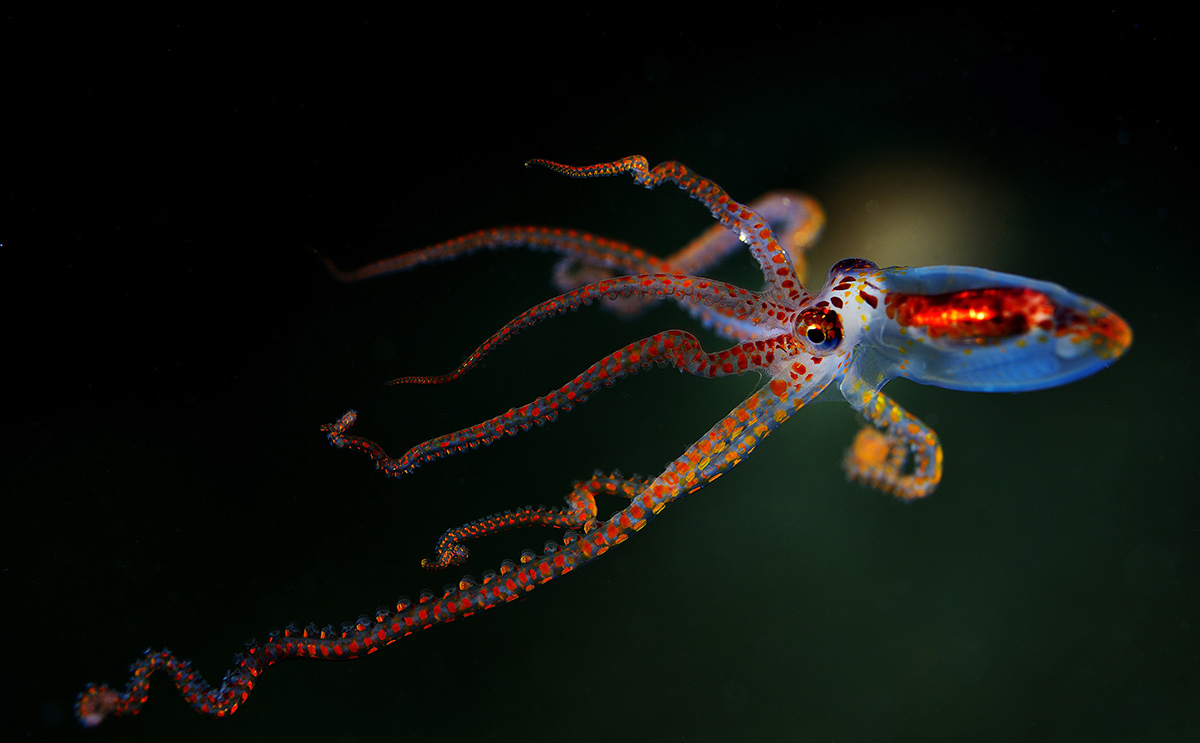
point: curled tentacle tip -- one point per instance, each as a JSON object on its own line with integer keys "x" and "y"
{"x": 94, "y": 704}
{"x": 341, "y": 424}
{"x": 346, "y": 277}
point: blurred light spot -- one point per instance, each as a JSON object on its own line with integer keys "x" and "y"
{"x": 917, "y": 214}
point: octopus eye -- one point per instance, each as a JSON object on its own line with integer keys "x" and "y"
{"x": 822, "y": 328}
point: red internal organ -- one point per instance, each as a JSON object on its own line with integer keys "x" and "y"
{"x": 974, "y": 313}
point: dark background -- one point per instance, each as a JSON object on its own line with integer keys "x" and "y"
{"x": 172, "y": 347}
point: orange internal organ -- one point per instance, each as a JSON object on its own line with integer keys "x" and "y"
{"x": 974, "y": 313}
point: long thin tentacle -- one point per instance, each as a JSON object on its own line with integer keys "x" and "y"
{"x": 592, "y": 258}
{"x": 796, "y": 218}
{"x": 595, "y": 250}
{"x": 722, "y": 448}
{"x": 742, "y": 305}
{"x": 675, "y": 348}
{"x": 750, "y": 227}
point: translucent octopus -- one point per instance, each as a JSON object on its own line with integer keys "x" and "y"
{"x": 951, "y": 326}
